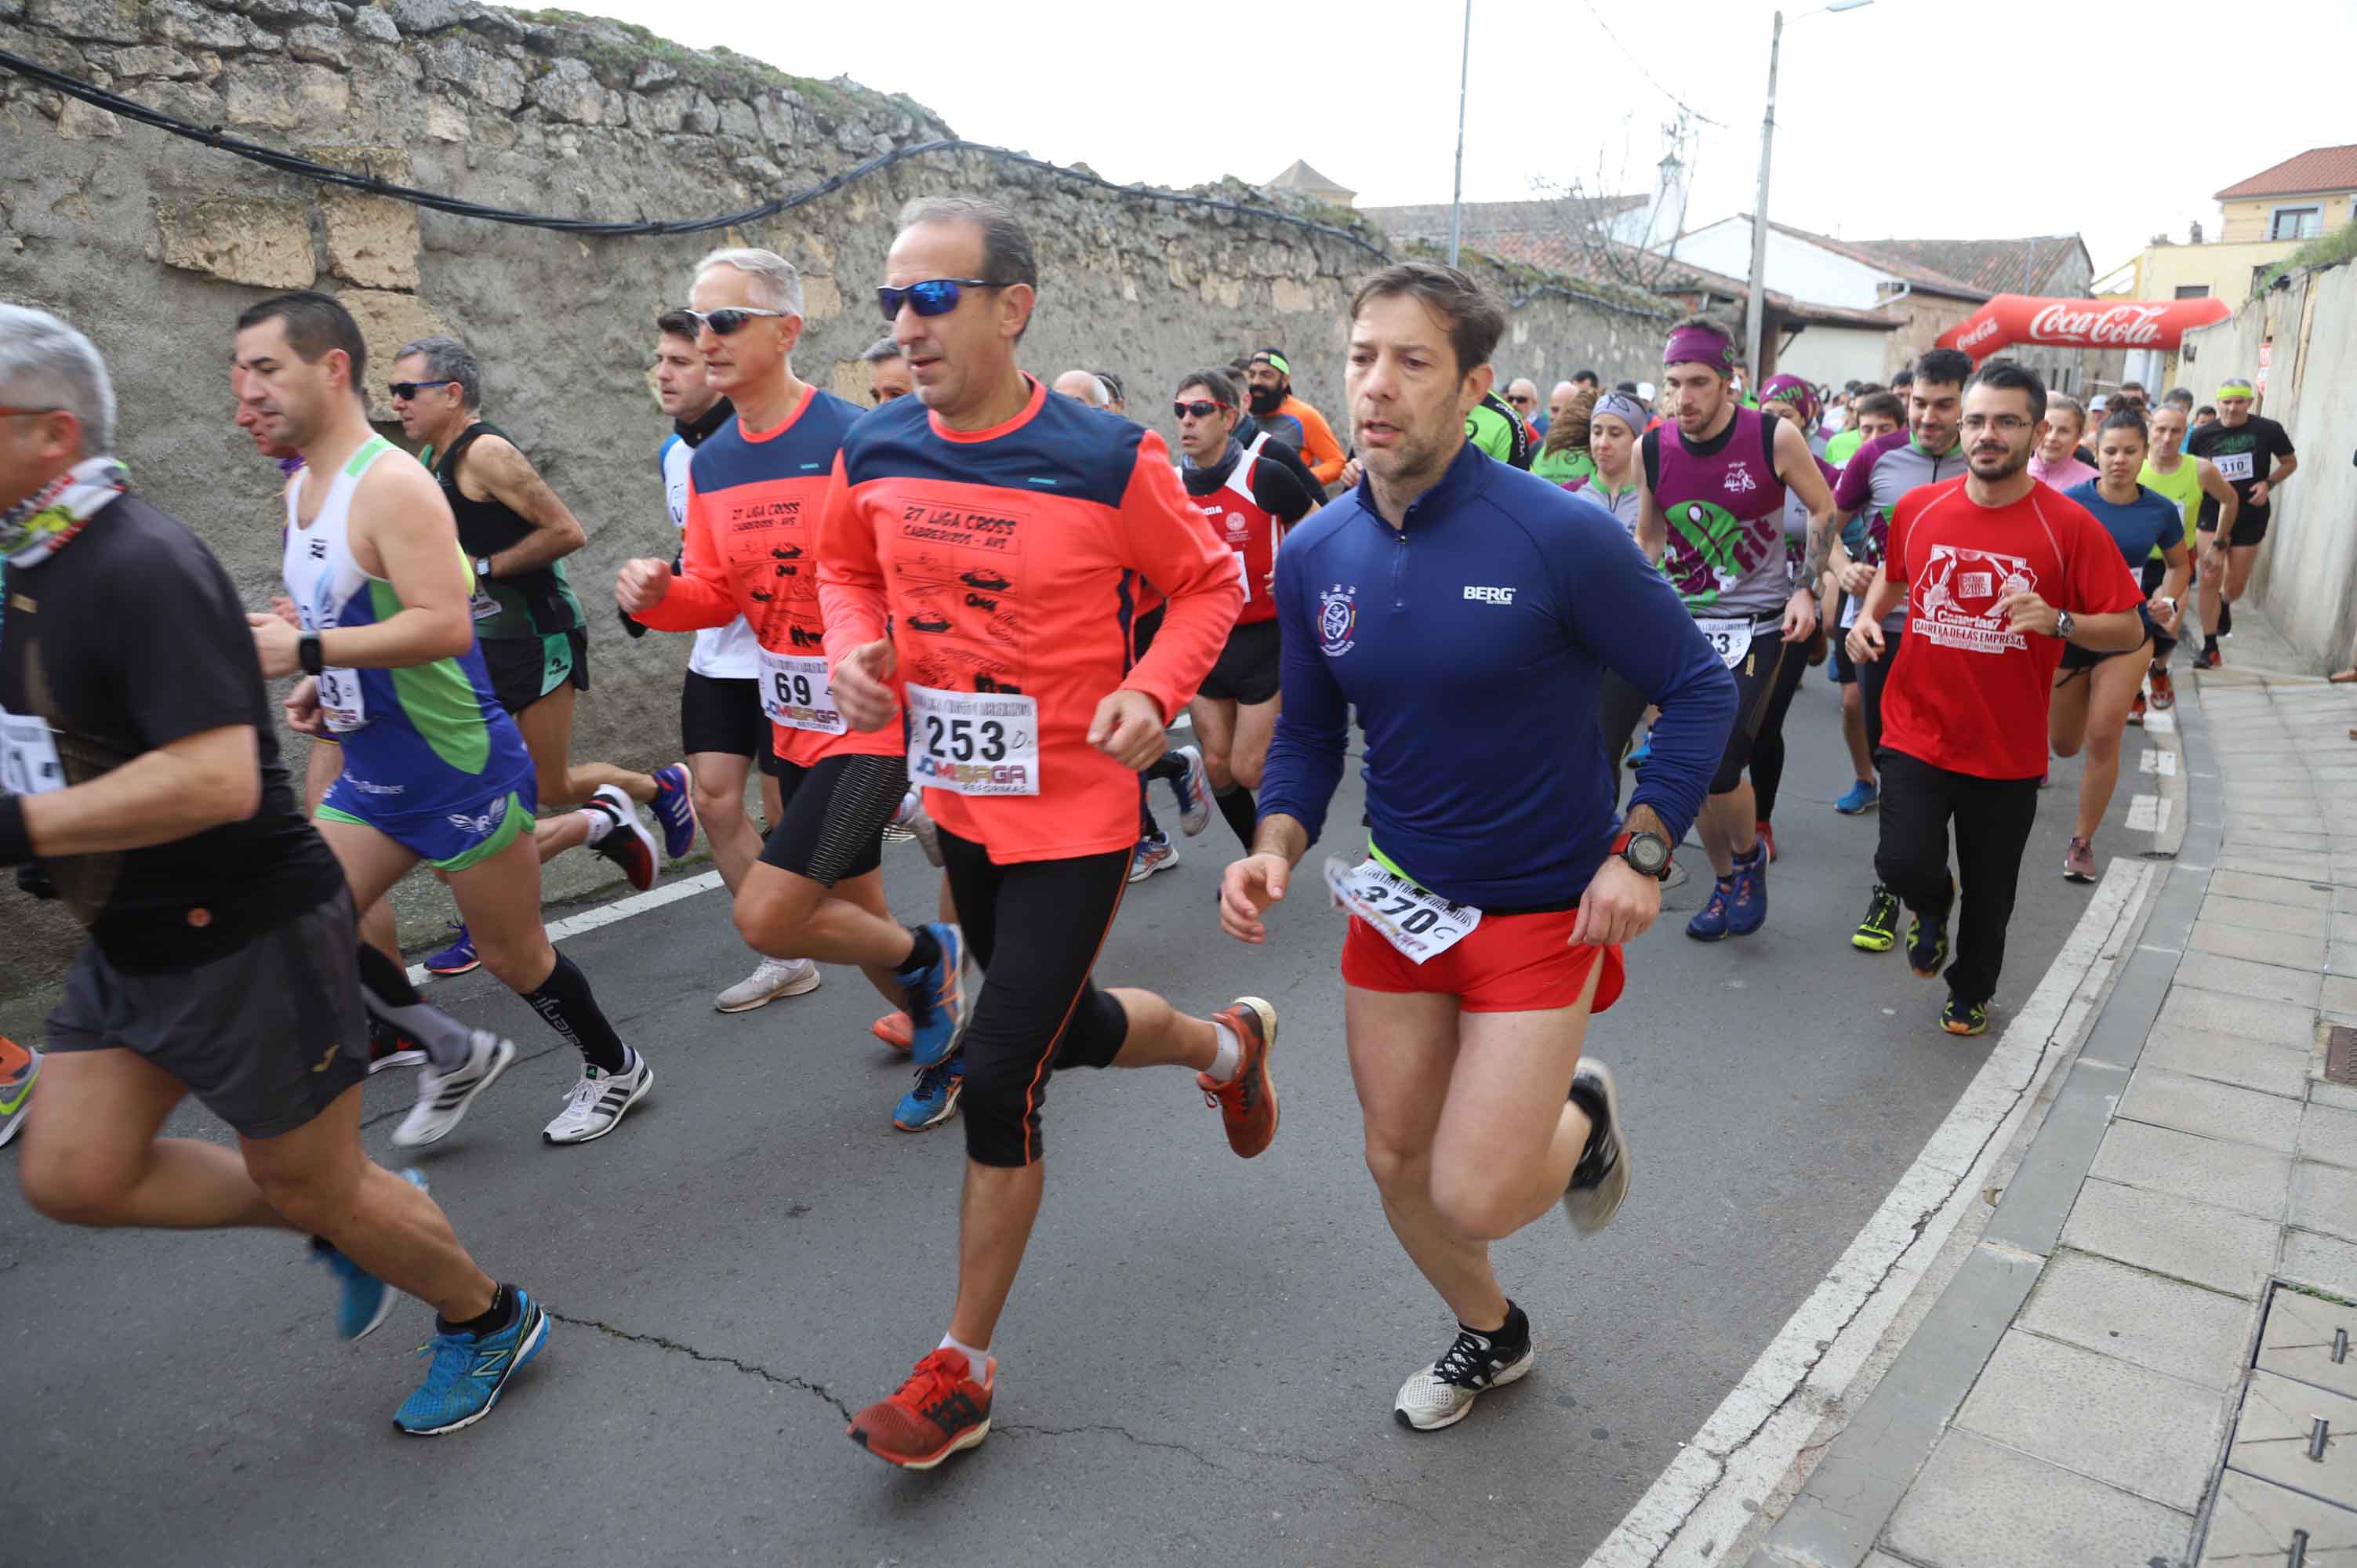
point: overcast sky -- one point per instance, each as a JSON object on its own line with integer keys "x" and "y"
{"x": 1924, "y": 119}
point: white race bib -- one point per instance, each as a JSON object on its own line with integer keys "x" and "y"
{"x": 2233, "y": 464}
{"x": 342, "y": 703}
{"x": 1729, "y": 637}
{"x": 796, "y": 694}
{"x": 1244, "y": 570}
{"x": 1419, "y": 923}
{"x": 28, "y": 756}
{"x": 483, "y": 606}
{"x": 974, "y": 743}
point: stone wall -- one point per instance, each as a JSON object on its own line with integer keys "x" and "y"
{"x": 152, "y": 242}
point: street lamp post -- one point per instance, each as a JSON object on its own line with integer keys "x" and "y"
{"x": 1456, "y": 196}
{"x": 1755, "y": 315}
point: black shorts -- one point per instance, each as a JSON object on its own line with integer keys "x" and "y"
{"x": 835, "y": 812}
{"x": 1247, "y": 669}
{"x": 721, "y": 714}
{"x": 266, "y": 1036}
{"x": 1039, "y": 1009}
{"x": 2077, "y": 661}
{"x": 1754, "y": 687}
{"x": 1845, "y": 667}
{"x": 2248, "y": 529}
{"x": 523, "y": 670}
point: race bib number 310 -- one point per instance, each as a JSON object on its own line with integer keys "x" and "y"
{"x": 974, "y": 743}
{"x": 1419, "y": 923}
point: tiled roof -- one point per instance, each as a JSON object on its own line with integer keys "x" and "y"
{"x": 2315, "y": 171}
{"x": 1534, "y": 233}
{"x": 1993, "y": 266}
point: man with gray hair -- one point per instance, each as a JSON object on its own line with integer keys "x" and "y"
{"x": 140, "y": 776}
{"x": 516, "y": 533}
{"x": 888, "y": 372}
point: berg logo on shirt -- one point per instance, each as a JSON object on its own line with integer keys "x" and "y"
{"x": 1490, "y": 596}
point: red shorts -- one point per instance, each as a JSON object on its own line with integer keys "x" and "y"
{"x": 1510, "y": 963}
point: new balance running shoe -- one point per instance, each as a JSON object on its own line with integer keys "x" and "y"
{"x": 2078, "y": 861}
{"x": 17, "y": 1091}
{"x": 627, "y": 842}
{"x": 1443, "y": 1393}
{"x": 1878, "y": 932}
{"x": 1599, "y": 1182}
{"x": 1246, "y": 1103}
{"x": 933, "y": 1097}
{"x": 674, "y": 808}
{"x": 1193, "y": 789}
{"x": 912, "y": 822}
{"x": 1965, "y": 1017}
{"x": 939, "y": 1410}
{"x": 1927, "y": 946}
{"x": 363, "y": 1300}
{"x": 596, "y": 1105}
{"x": 456, "y": 959}
{"x": 1152, "y": 854}
{"x": 442, "y": 1103}
{"x": 936, "y": 997}
{"x": 467, "y": 1373}
{"x": 776, "y": 977}
{"x": 1860, "y": 797}
{"x": 894, "y": 1030}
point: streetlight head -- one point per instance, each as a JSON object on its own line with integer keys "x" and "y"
{"x": 1848, "y": 5}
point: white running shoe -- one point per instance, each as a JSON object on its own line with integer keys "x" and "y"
{"x": 1443, "y": 1393}
{"x": 1600, "y": 1181}
{"x": 1193, "y": 789}
{"x": 442, "y": 1102}
{"x": 596, "y": 1104}
{"x": 912, "y": 821}
{"x": 776, "y": 977}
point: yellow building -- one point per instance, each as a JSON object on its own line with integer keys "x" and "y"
{"x": 2266, "y": 218}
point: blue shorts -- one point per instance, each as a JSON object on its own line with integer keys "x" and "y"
{"x": 452, "y": 838}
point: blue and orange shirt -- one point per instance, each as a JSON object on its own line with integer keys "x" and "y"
{"x": 1009, "y": 561}
{"x": 751, "y": 549}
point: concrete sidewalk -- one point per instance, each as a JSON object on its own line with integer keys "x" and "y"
{"x": 2143, "y": 1357}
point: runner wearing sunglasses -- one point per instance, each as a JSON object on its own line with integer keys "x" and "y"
{"x": 1026, "y": 728}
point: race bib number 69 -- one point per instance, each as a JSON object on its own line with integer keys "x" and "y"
{"x": 974, "y": 743}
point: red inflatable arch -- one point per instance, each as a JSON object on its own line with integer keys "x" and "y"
{"x": 2010, "y": 319}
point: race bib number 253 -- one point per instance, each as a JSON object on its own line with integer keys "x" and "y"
{"x": 974, "y": 743}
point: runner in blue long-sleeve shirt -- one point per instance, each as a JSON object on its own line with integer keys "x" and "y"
{"x": 1468, "y": 612}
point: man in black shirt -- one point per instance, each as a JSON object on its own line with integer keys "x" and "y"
{"x": 139, "y": 775}
{"x": 2253, "y": 455}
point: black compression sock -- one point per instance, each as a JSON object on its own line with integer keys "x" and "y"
{"x": 563, "y": 1001}
{"x": 1516, "y": 1330}
{"x": 1171, "y": 767}
{"x": 502, "y": 1312}
{"x": 386, "y": 980}
{"x": 2210, "y": 643}
{"x": 393, "y": 1002}
{"x": 924, "y": 952}
{"x": 1236, "y": 805}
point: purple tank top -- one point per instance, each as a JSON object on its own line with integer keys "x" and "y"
{"x": 1726, "y": 514}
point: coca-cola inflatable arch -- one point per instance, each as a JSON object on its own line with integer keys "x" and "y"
{"x": 2010, "y": 319}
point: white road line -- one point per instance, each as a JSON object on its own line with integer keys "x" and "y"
{"x": 2160, "y": 723}
{"x": 606, "y": 914}
{"x": 1694, "y": 1513}
{"x": 2161, "y": 762}
{"x": 2147, "y": 814}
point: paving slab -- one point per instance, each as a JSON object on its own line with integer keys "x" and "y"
{"x": 2239, "y": 977}
{"x": 2164, "y": 1326}
{"x": 2174, "y": 1236}
{"x": 2232, "y": 1176}
{"x": 2285, "y": 838}
{"x": 2246, "y": 1017}
{"x": 1980, "y": 1505}
{"x": 2123, "y": 1424}
{"x": 2218, "y": 909}
{"x": 2167, "y": 1098}
{"x": 2324, "y": 1198}
{"x": 2328, "y": 1134}
{"x": 2255, "y": 1522}
{"x": 2324, "y": 1263}
{"x": 2299, "y": 893}
{"x": 2338, "y": 994}
{"x": 2228, "y": 1059}
{"x": 2303, "y": 1335}
{"x": 2259, "y": 946}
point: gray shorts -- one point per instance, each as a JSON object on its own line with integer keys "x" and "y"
{"x": 267, "y": 1037}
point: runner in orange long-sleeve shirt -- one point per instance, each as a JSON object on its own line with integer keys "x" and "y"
{"x": 1273, "y": 403}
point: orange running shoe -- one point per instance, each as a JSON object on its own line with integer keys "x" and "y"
{"x": 2135, "y": 711}
{"x": 1247, "y": 1102}
{"x": 940, "y": 1410}
{"x": 2163, "y": 691}
{"x": 893, "y": 1030}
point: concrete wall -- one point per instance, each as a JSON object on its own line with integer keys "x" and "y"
{"x": 1832, "y": 355}
{"x": 152, "y": 243}
{"x": 2306, "y": 574}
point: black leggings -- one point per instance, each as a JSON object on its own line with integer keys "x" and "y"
{"x": 1768, "y": 750}
{"x": 1621, "y": 705}
{"x": 1992, "y": 819}
{"x": 1038, "y": 1009}
{"x": 2163, "y": 645}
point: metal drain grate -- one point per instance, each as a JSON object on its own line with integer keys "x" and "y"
{"x": 2341, "y": 1053}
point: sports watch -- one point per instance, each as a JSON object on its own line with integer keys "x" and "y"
{"x": 307, "y": 656}
{"x": 482, "y": 567}
{"x": 1647, "y": 853}
{"x": 2062, "y": 624}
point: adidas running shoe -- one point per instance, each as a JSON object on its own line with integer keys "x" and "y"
{"x": 596, "y": 1104}
{"x": 442, "y": 1103}
{"x": 674, "y": 808}
{"x": 939, "y": 1410}
{"x": 1443, "y": 1393}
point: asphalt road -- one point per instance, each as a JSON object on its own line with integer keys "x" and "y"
{"x": 1201, "y": 1353}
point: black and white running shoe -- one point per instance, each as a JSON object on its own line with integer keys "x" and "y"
{"x": 596, "y": 1104}
{"x": 1600, "y": 1181}
{"x": 1443, "y": 1393}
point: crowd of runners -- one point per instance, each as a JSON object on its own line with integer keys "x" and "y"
{"x": 968, "y": 618}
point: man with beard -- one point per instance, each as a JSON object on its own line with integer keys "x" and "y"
{"x": 1999, "y": 572}
{"x": 1270, "y": 375}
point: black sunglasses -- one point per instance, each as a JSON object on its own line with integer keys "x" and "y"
{"x": 1200, "y": 408}
{"x": 934, "y": 296}
{"x": 407, "y": 391}
{"x": 724, "y": 322}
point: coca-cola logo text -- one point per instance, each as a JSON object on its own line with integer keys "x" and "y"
{"x": 2127, "y": 326}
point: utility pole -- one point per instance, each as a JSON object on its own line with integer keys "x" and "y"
{"x": 1755, "y": 315}
{"x": 1456, "y": 198}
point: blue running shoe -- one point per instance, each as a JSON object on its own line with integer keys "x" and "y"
{"x": 456, "y": 959}
{"x": 1860, "y": 798}
{"x": 365, "y": 1300}
{"x": 1747, "y": 905}
{"x": 934, "y": 1098}
{"x": 675, "y": 807}
{"x": 936, "y": 1000}
{"x": 468, "y": 1372}
{"x": 1710, "y": 924}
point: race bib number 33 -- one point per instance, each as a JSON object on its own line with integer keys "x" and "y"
{"x": 974, "y": 743}
{"x": 1729, "y": 637}
{"x": 1419, "y": 923}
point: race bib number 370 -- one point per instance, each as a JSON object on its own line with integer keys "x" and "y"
{"x": 974, "y": 743}
{"x": 1421, "y": 924}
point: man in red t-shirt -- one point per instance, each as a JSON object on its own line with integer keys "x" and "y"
{"x": 1998, "y": 573}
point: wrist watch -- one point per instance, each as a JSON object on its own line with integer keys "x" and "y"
{"x": 482, "y": 567}
{"x": 1647, "y": 853}
{"x": 306, "y": 653}
{"x": 2062, "y": 624}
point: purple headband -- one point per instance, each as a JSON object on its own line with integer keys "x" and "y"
{"x": 1700, "y": 346}
{"x": 1795, "y": 391}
